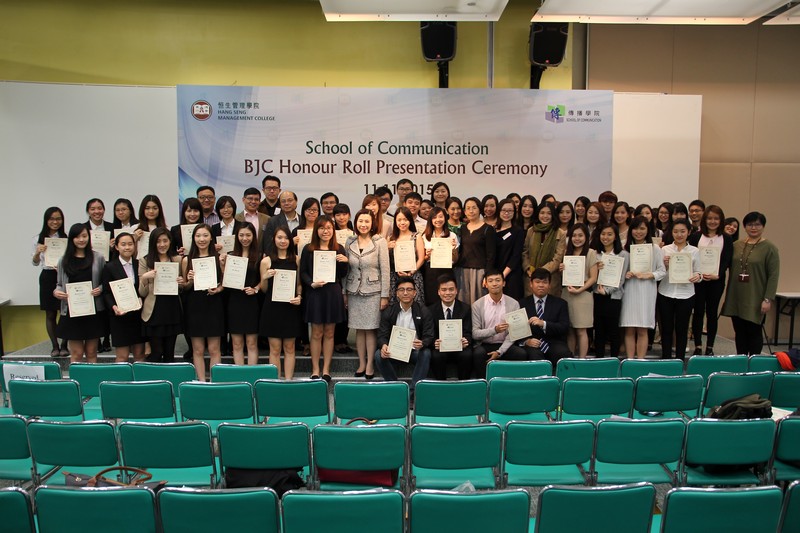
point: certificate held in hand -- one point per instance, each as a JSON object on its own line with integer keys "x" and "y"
{"x": 405, "y": 256}
{"x": 574, "y": 274}
{"x": 324, "y": 266}
{"x": 80, "y": 299}
{"x": 55, "y": 250}
{"x": 641, "y": 258}
{"x": 518, "y": 326}
{"x": 100, "y": 242}
{"x": 709, "y": 259}
{"x": 401, "y": 342}
{"x": 304, "y": 238}
{"x": 284, "y": 285}
{"x": 450, "y": 334}
{"x": 227, "y": 242}
{"x": 143, "y": 245}
{"x": 125, "y": 295}
{"x": 187, "y": 230}
{"x": 441, "y": 252}
{"x": 235, "y": 272}
{"x": 166, "y": 281}
{"x": 205, "y": 273}
{"x": 680, "y": 267}
{"x": 611, "y": 273}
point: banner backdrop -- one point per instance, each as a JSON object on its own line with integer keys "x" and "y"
{"x": 350, "y": 141}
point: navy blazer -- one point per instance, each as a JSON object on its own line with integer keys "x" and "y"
{"x": 555, "y": 313}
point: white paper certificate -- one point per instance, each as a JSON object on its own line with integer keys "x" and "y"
{"x": 205, "y": 273}
{"x": 304, "y": 238}
{"x": 709, "y": 259}
{"x": 518, "y": 326}
{"x": 656, "y": 241}
{"x": 127, "y": 230}
{"x": 450, "y": 334}
{"x": 405, "y": 256}
{"x": 166, "y": 282}
{"x": 611, "y": 273}
{"x": 401, "y": 342}
{"x": 80, "y": 299}
{"x": 125, "y": 295}
{"x": 55, "y": 250}
{"x": 441, "y": 252}
{"x": 342, "y": 235}
{"x": 186, "y": 236}
{"x": 641, "y": 258}
{"x": 324, "y": 266}
{"x": 235, "y": 272}
{"x": 284, "y": 285}
{"x": 227, "y": 242}
{"x": 680, "y": 267}
{"x": 143, "y": 245}
{"x": 100, "y": 239}
{"x": 574, "y": 274}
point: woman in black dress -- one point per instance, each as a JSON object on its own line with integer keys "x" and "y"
{"x": 126, "y": 326}
{"x": 509, "y": 238}
{"x": 52, "y": 227}
{"x": 242, "y": 305}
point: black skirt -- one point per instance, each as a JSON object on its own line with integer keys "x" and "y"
{"x": 47, "y": 284}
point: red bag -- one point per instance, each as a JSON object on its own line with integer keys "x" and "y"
{"x": 379, "y": 478}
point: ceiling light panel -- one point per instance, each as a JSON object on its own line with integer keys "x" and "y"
{"x": 412, "y": 10}
{"x": 790, "y": 16}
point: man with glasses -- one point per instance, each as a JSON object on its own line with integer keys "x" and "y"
{"x": 328, "y": 201}
{"x": 696, "y": 210}
{"x": 208, "y": 199}
{"x": 287, "y": 216}
{"x": 251, "y": 199}
{"x": 271, "y": 185}
{"x": 404, "y": 186}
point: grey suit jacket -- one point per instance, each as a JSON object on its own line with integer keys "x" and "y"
{"x": 98, "y": 262}
{"x": 480, "y": 331}
{"x": 368, "y": 272}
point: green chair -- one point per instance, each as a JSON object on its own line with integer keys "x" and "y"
{"x": 15, "y": 455}
{"x": 138, "y": 401}
{"x": 215, "y": 510}
{"x": 628, "y": 451}
{"x": 790, "y": 513}
{"x": 50, "y": 370}
{"x": 536, "y": 454}
{"x": 450, "y": 402}
{"x": 727, "y": 443}
{"x": 247, "y": 373}
{"x": 215, "y": 403}
{"x": 343, "y": 512}
{"x": 617, "y": 508}
{"x": 785, "y": 392}
{"x": 303, "y": 401}
{"x": 384, "y": 401}
{"x": 274, "y": 446}
{"x": 705, "y": 365}
{"x": 764, "y": 363}
{"x": 595, "y": 398}
{"x": 636, "y": 368}
{"x": 180, "y": 453}
{"x": 58, "y": 399}
{"x": 518, "y": 369}
{"x": 175, "y": 373}
{"x": 786, "y": 461}
{"x": 575, "y": 367}
{"x": 738, "y": 510}
{"x": 722, "y": 386}
{"x": 78, "y": 510}
{"x": 501, "y": 511}
{"x": 15, "y": 508}
{"x": 364, "y": 448}
{"x": 443, "y": 457}
{"x": 523, "y": 399}
{"x": 667, "y": 396}
{"x": 90, "y": 375}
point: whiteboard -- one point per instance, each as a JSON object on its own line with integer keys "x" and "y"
{"x": 63, "y": 144}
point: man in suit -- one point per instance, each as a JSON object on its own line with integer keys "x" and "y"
{"x": 271, "y": 185}
{"x": 409, "y": 314}
{"x": 251, "y": 199}
{"x": 489, "y": 326}
{"x": 451, "y": 309}
{"x": 288, "y": 217}
{"x": 549, "y": 320}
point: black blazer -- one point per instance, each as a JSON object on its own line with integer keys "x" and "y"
{"x": 107, "y": 226}
{"x": 460, "y": 310}
{"x": 113, "y": 271}
{"x": 556, "y": 314}
{"x": 725, "y": 256}
{"x": 423, "y": 323}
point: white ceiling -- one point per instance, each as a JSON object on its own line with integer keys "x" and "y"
{"x": 790, "y": 16}
{"x": 412, "y": 10}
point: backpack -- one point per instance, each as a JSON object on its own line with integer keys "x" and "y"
{"x": 280, "y": 480}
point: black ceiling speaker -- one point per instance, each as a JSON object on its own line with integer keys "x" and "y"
{"x": 438, "y": 40}
{"x": 547, "y": 43}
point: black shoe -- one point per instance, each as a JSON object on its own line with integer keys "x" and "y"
{"x": 369, "y": 377}
{"x": 360, "y": 374}
{"x": 314, "y": 376}
{"x": 698, "y": 350}
{"x": 709, "y": 350}
{"x": 326, "y": 377}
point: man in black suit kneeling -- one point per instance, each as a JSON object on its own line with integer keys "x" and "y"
{"x": 549, "y": 320}
{"x": 451, "y": 309}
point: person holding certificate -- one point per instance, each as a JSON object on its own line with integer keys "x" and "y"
{"x": 281, "y": 319}
{"x": 452, "y": 330}
{"x": 509, "y": 238}
{"x": 205, "y": 310}
{"x": 308, "y": 216}
{"x": 102, "y": 241}
{"x": 52, "y": 229}
{"x": 548, "y": 320}
{"x": 405, "y": 255}
{"x": 489, "y": 326}
{"x": 80, "y": 264}
{"x": 638, "y": 312}
{"x": 242, "y": 304}
{"x": 161, "y": 313}
{"x": 612, "y": 265}
{"x": 715, "y": 248}
{"x": 320, "y": 274}
{"x": 410, "y": 316}
{"x": 477, "y": 253}
{"x": 676, "y": 290}
{"x": 544, "y": 246}
{"x": 344, "y": 229}
{"x": 225, "y": 228}
{"x": 151, "y": 216}
{"x": 579, "y": 272}
{"x": 448, "y": 241}
{"x": 191, "y": 211}
{"x": 124, "y": 304}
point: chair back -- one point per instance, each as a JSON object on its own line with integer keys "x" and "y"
{"x": 54, "y": 398}
{"x": 50, "y": 370}
{"x": 90, "y": 375}
{"x": 705, "y": 365}
{"x": 343, "y": 512}
{"x": 78, "y": 510}
{"x": 636, "y": 368}
{"x": 790, "y": 512}
{"x": 711, "y": 510}
{"x": 217, "y": 401}
{"x": 500, "y": 511}
{"x": 787, "y": 449}
{"x": 15, "y": 508}
{"x": 292, "y": 401}
{"x": 247, "y": 373}
{"x": 523, "y": 398}
{"x": 450, "y": 402}
{"x": 518, "y": 369}
{"x": 138, "y": 401}
{"x": 581, "y": 397}
{"x": 723, "y": 386}
{"x": 668, "y": 394}
{"x": 386, "y": 401}
{"x": 575, "y": 367}
{"x": 214, "y": 510}
{"x": 785, "y": 392}
{"x": 175, "y": 373}
{"x": 77, "y": 444}
{"x": 764, "y": 363}
{"x": 244, "y": 445}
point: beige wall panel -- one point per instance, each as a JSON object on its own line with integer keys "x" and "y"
{"x": 727, "y": 185}
{"x": 630, "y": 58}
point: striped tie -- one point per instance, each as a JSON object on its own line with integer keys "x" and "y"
{"x": 539, "y": 312}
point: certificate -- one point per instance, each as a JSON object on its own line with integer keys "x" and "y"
{"x": 656, "y": 241}
{"x": 55, "y": 250}
{"x": 166, "y": 281}
{"x": 441, "y": 252}
{"x": 405, "y": 256}
{"x": 235, "y": 272}
{"x": 709, "y": 259}
{"x": 125, "y": 295}
{"x": 100, "y": 239}
{"x": 186, "y": 236}
{"x": 304, "y": 238}
{"x": 324, "y": 266}
{"x": 284, "y": 285}
{"x": 611, "y": 273}
{"x": 117, "y": 231}
{"x": 342, "y": 235}
{"x": 641, "y": 258}
{"x": 205, "y": 273}
{"x": 680, "y": 267}
{"x": 401, "y": 342}
{"x": 518, "y": 326}
{"x": 80, "y": 299}
{"x": 574, "y": 274}
{"x": 143, "y": 246}
{"x": 450, "y": 335}
{"x": 227, "y": 242}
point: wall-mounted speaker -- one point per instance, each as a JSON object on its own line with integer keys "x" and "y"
{"x": 547, "y": 43}
{"x": 438, "y": 40}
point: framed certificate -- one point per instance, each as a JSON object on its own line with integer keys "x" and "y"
{"x": 186, "y": 236}
{"x": 709, "y": 259}
{"x": 143, "y": 245}
{"x": 166, "y": 281}
{"x": 450, "y": 334}
{"x": 611, "y": 273}
{"x": 574, "y": 274}
{"x": 55, "y": 250}
{"x": 235, "y": 272}
{"x": 284, "y": 285}
{"x": 100, "y": 242}
{"x": 227, "y": 242}
{"x": 80, "y": 299}
{"x": 401, "y": 342}
{"x": 205, "y": 273}
{"x": 441, "y": 252}
{"x": 680, "y": 267}
{"x": 125, "y": 295}
{"x": 324, "y": 266}
{"x": 641, "y": 258}
{"x": 405, "y": 256}
{"x": 518, "y": 326}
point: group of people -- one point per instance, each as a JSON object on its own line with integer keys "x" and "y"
{"x": 405, "y": 263}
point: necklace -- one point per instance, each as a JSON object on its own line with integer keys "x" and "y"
{"x": 744, "y": 261}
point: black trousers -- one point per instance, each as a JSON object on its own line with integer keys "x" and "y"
{"x": 707, "y": 296}
{"x": 463, "y": 360}
{"x": 480, "y": 357}
{"x": 675, "y": 315}
{"x": 748, "y": 336}
{"x": 556, "y": 351}
{"x": 606, "y": 325}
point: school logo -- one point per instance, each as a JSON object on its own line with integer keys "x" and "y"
{"x": 555, "y": 113}
{"x": 201, "y": 110}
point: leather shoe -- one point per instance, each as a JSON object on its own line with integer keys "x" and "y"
{"x": 360, "y": 374}
{"x": 326, "y": 377}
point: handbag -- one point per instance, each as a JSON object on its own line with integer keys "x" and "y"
{"x": 140, "y": 478}
{"x": 380, "y": 478}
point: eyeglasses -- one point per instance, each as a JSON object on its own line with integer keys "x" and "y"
{"x": 754, "y": 225}
{"x": 252, "y": 199}
{"x": 205, "y": 198}
{"x": 507, "y": 211}
{"x": 314, "y": 210}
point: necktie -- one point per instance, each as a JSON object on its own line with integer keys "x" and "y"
{"x": 448, "y": 315}
{"x": 539, "y": 312}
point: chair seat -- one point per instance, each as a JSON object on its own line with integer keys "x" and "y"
{"x": 666, "y": 414}
{"x": 310, "y": 421}
{"x": 503, "y": 419}
{"x": 189, "y": 477}
{"x": 330, "y": 486}
{"x": 785, "y": 471}
{"x": 469, "y": 419}
{"x": 524, "y": 475}
{"x": 16, "y": 469}
{"x": 593, "y": 418}
{"x": 617, "y": 473}
{"x": 698, "y": 476}
{"x": 58, "y": 478}
{"x": 430, "y": 478}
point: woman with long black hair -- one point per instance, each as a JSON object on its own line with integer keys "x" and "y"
{"x": 52, "y": 227}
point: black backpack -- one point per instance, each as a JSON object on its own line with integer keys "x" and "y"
{"x": 280, "y": 480}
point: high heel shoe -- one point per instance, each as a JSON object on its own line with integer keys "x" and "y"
{"x": 369, "y": 377}
{"x": 698, "y": 350}
{"x": 709, "y": 350}
{"x": 360, "y": 374}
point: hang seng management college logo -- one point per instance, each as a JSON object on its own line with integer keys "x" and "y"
{"x": 201, "y": 110}
{"x": 555, "y": 113}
